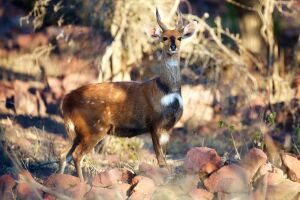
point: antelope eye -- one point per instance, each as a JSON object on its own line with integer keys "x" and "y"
{"x": 165, "y": 38}
{"x": 179, "y": 38}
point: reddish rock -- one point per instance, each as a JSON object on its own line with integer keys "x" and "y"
{"x": 143, "y": 185}
{"x": 123, "y": 189}
{"x": 169, "y": 192}
{"x": 7, "y": 183}
{"x": 108, "y": 178}
{"x": 259, "y": 193}
{"x": 200, "y": 159}
{"x": 25, "y": 189}
{"x": 269, "y": 179}
{"x": 155, "y": 173}
{"x": 28, "y": 100}
{"x": 140, "y": 196}
{"x": 253, "y": 160}
{"x": 231, "y": 196}
{"x": 102, "y": 194}
{"x": 49, "y": 197}
{"x": 274, "y": 178}
{"x": 293, "y": 166}
{"x": 188, "y": 182}
{"x": 286, "y": 190}
{"x": 127, "y": 176}
{"x": 228, "y": 179}
{"x": 66, "y": 184}
{"x": 201, "y": 194}
{"x": 264, "y": 169}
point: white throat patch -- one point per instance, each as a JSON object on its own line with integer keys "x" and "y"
{"x": 171, "y": 63}
{"x": 170, "y": 98}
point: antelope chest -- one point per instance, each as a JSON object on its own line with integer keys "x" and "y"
{"x": 172, "y": 108}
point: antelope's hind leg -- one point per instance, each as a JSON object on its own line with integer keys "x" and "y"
{"x": 63, "y": 157}
{"x": 85, "y": 146}
{"x": 69, "y": 148}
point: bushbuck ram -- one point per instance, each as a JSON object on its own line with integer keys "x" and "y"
{"x": 128, "y": 109}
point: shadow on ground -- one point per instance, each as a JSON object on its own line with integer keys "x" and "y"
{"x": 44, "y": 123}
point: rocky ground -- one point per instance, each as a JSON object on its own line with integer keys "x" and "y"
{"x": 203, "y": 176}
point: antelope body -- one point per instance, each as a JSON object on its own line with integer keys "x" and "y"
{"x": 128, "y": 109}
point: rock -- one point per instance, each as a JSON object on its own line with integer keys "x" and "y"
{"x": 25, "y": 190}
{"x": 286, "y": 190}
{"x": 169, "y": 192}
{"x": 188, "y": 182}
{"x": 66, "y": 184}
{"x": 264, "y": 169}
{"x": 228, "y": 179}
{"x": 98, "y": 193}
{"x": 231, "y": 196}
{"x": 108, "y": 178}
{"x": 155, "y": 173}
{"x": 140, "y": 196}
{"x": 253, "y": 160}
{"x": 123, "y": 189}
{"x": 127, "y": 176}
{"x": 275, "y": 187}
{"x": 201, "y": 194}
{"x": 7, "y": 183}
{"x": 275, "y": 176}
{"x": 293, "y": 166}
{"x": 143, "y": 185}
{"x": 202, "y": 159}
{"x": 28, "y": 100}
{"x": 260, "y": 190}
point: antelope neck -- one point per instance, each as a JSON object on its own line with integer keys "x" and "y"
{"x": 170, "y": 71}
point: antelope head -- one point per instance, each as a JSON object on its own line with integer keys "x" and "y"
{"x": 171, "y": 39}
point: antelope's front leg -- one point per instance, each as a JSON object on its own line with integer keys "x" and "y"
{"x": 159, "y": 143}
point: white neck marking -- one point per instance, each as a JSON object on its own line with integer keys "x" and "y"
{"x": 170, "y": 98}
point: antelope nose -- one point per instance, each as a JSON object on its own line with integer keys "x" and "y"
{"x": 173, "y": 47}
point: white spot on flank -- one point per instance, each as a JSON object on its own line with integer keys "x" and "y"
{"x": 164, "y": 139}
{"x": 170, "y": 98}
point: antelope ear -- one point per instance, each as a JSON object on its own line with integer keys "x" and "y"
{"x": 189, "y": 29}
{"x": 155, "y": 33}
